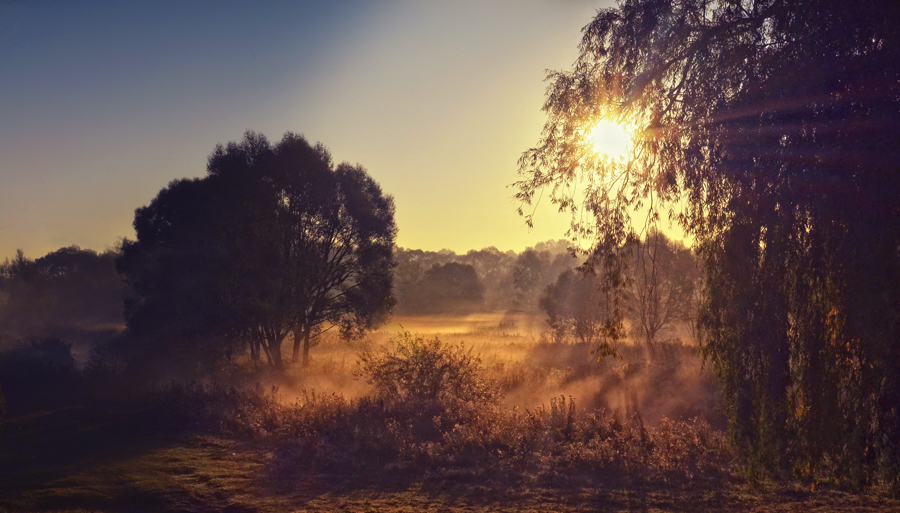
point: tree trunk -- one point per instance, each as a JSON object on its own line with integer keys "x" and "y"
{"x": 298, "y": 337}
{"x": 265, "y": 349}
{"x": 254, "y": 351}
{"x": 274, "y": 352}
{"x": 306, "y": 348}
{"x": 301, "y": 338}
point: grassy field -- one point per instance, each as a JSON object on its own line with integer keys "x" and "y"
{"x": 205, "y": 449}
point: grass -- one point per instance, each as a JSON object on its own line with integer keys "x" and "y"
{"x": 146, "y": 469}
{"x": 348, "y": 447}
{"x": 191, "y": 472}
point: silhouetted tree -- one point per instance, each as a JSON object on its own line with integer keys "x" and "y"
{"x": 494, "y": 269}
{"x": 770, "y": 131}
{"x": 533, "y": 271}
{"x": 276, "y": 240}
{"x": 450, "y": 288}
{"x": 662, "y": 277}
{"x": 65, "y": 291}
{"x": 574, "y": 307}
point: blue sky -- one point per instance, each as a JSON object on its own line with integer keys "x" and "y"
{"x": 104, "y": 103}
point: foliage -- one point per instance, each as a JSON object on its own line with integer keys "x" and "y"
{"x": 509, "y": 280}
{"x": 558, "y": 441}
{"x": 449, "y": 288}
{"x": 277, "y": 436}
{"x": 493, "y": 268}
{"x": 769, "y": 130}
{"x": 534, "y": 270}
{"x": 574, "y": 308}
{"x": 416, "y": 369}
{"x": 38, "y": 375}
{"x": 662, "y": 277}
{"x": 432, "y": 411}
{"x": 65, "y": 291}
{"x": 275, "y": 240}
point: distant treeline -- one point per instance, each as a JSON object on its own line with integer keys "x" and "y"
{"x": 444, "y": 282}
{"x": 64, "y": 293}
{"x": 74, "y": 290}
{"x": 71, "y": 292}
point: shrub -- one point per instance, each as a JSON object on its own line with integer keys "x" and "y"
{"x": 39, "y": 375}
{"x": 416, "y": 369}
{"x": 432, "y": 413}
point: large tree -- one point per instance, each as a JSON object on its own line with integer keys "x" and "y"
{"x": 275, "y": 240}
{"x": 770, "y": 129}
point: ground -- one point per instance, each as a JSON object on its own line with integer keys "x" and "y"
{"x": 87, "y": 459}
{"x": 91, "y": 457}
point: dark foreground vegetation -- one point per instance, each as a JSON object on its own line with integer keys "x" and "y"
{"x": 430, "y": 430}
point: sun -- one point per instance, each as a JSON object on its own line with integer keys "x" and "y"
{"x": 610, "y": 139}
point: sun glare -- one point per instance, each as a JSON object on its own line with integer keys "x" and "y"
{"x": 610, "y": 139}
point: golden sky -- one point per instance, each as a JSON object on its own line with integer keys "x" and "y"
{"x": 103, "y": 104}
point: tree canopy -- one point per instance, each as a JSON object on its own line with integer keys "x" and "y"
{"x": 64, "y": 292}
{"x": 662, "y": 276}
{"x": 275, "y": 240}
{"x": 444, "y": 289}
{"x": 534, "y": 270}
{"x": 770, "y": 130}
{"x": 573, "y": 304}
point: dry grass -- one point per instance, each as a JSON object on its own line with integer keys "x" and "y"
{"x": 569, "y": 435}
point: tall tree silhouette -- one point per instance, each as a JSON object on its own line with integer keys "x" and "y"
{"x": 274, "y": 240}
{"x": 771, "y": 131}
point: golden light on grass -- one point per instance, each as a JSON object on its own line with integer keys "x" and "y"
{"x": 610, "y": 139}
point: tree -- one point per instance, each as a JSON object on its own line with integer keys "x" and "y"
{"x": 275, "y": 240}
{"x": 662, "y": 277}
{"x": 533, "y": 271}
{"x": 68, "y": 290}
{"x": 446, "y": 289}
{"x": 769, "y": 130}
{"x": 494, "y": 269}
{"x": 180, "y": 317}
{"x": 574, "y": 307}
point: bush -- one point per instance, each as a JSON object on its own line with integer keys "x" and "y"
{"x": 38, "y": 375}
{"x": 249, "y": 413}
{"x": 432, "y": 413}
{"x": 416, "y": 369}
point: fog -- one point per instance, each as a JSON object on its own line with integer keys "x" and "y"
{"x": 485, "y": 300}
{"x": 519, "y": 356}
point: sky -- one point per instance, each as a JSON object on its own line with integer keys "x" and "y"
{"x": 103, "y": 103}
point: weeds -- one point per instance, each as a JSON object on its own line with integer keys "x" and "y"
{"x": 431, "y": 412}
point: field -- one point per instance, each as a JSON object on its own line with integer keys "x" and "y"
{"x": 567, "y": 433}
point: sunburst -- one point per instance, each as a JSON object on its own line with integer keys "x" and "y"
{"x": 610, "y": 139}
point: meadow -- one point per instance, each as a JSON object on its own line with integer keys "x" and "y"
{"x": 475, "y": 413}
